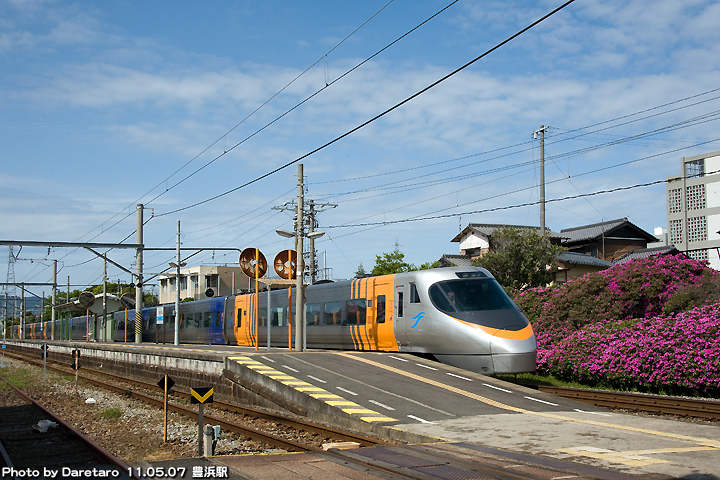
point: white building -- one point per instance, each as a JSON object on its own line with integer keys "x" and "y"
{"x": 693, "y": 206}
{"x": 195, "y": 281}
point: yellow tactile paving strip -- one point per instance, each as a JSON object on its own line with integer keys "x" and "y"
{"x": 331, "y": 399}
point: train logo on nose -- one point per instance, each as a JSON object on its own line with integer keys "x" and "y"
{"x": 417, "y": 319}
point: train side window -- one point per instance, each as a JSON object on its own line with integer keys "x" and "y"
{"x": 414, "y": 295}
{"x": 381, "y": 309}
{"x": 206, "y": 319}
{"x": 400, "y": 304}
{"x": 218, "y": 319}
{"x": 333, "y": 313}
{"x": 356, "y": 310}
{"x": 312, "y": 314}
{"x": 277, "y": 314}
{"x": 239, "y": 318}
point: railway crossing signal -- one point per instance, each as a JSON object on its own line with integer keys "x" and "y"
{"x": 43, "y": 351}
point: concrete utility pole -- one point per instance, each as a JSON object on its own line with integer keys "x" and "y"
{"x": 104, "y": 320}
{"x": 177, "y": 292}
{"x": 139, "y": 279}
{"x": 542, "y": 131}
{"x": 53, "y": 301}
{"x": 299, "y": 293}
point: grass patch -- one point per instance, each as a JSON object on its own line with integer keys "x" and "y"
{"x": 18, "y": 377}
{"x": 529, "y": 379}
{"x": 111, "y": 414}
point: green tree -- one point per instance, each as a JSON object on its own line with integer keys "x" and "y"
{"x": 429, "y": 265}
{"x": 520, "y": 258}
{"x": 360, "y": 271}
{"x": 392, "y": 263}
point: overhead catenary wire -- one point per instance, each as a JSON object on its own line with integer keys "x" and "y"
{"x": 287, "y": 112}
{"x": 430, "y": 216}
{"x": 378, "y": 116}
{"x": 236, "y": 125}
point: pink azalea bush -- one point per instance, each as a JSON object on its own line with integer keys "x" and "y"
{"x": 609, "y": 328}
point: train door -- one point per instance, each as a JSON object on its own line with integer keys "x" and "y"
{"x": 243, "y": 334}
{"x": 383, "y": 317}
{"x": 216, "y": 320}
{"x": 229, "y": 321}
{"x": 400, "y": 315}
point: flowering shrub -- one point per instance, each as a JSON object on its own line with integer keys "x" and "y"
{"x": 609, "y": 328}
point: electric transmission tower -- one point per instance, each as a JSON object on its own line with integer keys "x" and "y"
{"x": 9, "y": 289}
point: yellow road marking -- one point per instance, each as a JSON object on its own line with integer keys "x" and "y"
{"x": 378, "y": 419}
{"x": 337, "y": 403}
{"x": 324, "y": 395}
{"x": 358, "y": 410}
{"x": 702, "y": 441}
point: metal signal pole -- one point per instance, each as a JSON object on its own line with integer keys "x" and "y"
{"x": 139, "y": 279}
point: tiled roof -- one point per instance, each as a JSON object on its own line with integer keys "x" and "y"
{"x": 456, "y": 260}
{"x": 587, "y": 232}
{"x": 582, "y": 259}
{"x": 647, "y": 252}
{"x": 596, "y": 230}
{"x": 487, "y": 229}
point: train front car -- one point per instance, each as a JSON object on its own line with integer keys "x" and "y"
{"x": 463, "y": 317}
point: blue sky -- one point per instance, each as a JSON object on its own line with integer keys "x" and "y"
{"x": 101, "y": 102}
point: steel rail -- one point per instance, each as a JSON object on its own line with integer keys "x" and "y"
{"x": 249, "y": 411}
{"x": 688, "y": 407}
{"x": 100, "y": 451}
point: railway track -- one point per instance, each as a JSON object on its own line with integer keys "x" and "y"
{"x": 685, "y": 407}
{"x": 31, "y": 436}
{"x": 227, "y": 425}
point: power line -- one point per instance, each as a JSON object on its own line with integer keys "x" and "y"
{"x": 234, "y": 127}
{"x": 287, "y": 112}
{"x": 434, "y": 217}
{"x": 380, "y": 115}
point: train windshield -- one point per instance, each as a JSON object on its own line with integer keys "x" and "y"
{"x": 470, "y": 295}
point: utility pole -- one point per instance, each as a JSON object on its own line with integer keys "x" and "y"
{"x": 53, "y": 301}
{"x": 299, "y": 293}
{"x": 139, "y": 279}
{"x": 104, "y": 320}
{"x": 312, "y": 223}
{"x": 177, "y": 292}
{"x": 542, "y": 131}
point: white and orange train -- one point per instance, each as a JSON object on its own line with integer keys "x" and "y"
{"x": 460, "y": 315}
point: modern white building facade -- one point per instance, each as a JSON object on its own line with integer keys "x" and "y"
{"x": 195, "y": 281}
{"x": 693, "y": 206}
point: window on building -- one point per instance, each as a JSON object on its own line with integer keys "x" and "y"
{"x": 701, "y": 255}
{"x": 183, "y": 283}
{"x": 211, "y": 281}
{"x": 696, "y": 197}
{"x": 676, "y": 232}
{"x": 697, "y": 229}
{"x": 172, "y": 284}
{"x": 675, "y": 200}
{"x": 193, "y": 282}
{"x": 695, "y": 168}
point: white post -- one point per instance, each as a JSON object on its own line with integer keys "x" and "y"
{"x": 177, "y": 291}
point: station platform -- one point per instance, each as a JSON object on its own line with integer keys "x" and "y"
{"x": 412, "y": 399}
